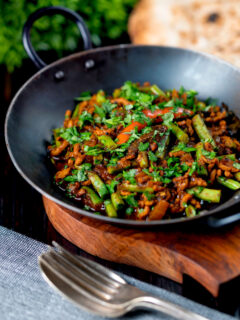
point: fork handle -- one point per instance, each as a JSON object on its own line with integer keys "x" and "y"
{"x": 174, "y": 310}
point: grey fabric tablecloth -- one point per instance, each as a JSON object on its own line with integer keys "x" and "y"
{"x": 24, "y": 295}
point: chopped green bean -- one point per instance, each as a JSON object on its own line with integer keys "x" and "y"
{"x": 75, "y": 112}
{"x": 237, "y": 176}
{"x": 228, "y": 156}
{"x": 117, "y": 201}
{"x": 210, "y": 195}
{"x": 179, "y": 133}
{"x": 160, "y": 153}
{"x": 202, "y": 130}
{"x": 108, "y": 142}
{"x": 190, "y": 211}
{"x": 136, "y": 188}
{"x": 92, "y": 195}
{"x": 98, "y": 184}
{"x": 157, "y": 91}
{"x": 111, "y": 212}
{"x": 202, "y": 168}
{"x": 229, "y": 183}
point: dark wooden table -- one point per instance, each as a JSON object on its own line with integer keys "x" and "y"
{"x": 21, "y": 209}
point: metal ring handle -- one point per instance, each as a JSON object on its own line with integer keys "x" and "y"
{"x": 39, "y": 63}
{"x": 215, "y": 222}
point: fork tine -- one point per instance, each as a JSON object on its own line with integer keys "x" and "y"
{"x": 76, "y": 283}
{"x": 102, "y": 273}
{"x": 76, "y": 294}
{"x": 103, "y": 290}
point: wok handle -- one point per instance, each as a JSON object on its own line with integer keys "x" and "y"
{"x": 215, "y": 222}
{"x": 39, "y": 63}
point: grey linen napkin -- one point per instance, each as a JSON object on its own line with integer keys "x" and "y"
{"x": 24, "y": 295}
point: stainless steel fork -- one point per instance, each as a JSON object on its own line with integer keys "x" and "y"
{"x": 98, "y": 289}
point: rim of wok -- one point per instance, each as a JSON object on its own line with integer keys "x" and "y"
{"x": 204, "y": 213}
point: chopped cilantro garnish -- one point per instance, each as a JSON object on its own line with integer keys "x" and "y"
{"x": 152, "y": 156}
{"x": 92, "y": 151}
{"x": 84, "y": 96}
{"x": 193, "y": 168}
{"x": 209, "y": 154}
{"x": 112, "y": 186}
{"x": 73, "y": 136}
{"x": 130, "y": 176}
{"x": 80, "y": 174}
{"x": 182, "y": 147}
{"x": 131, "y": 201}
{"x": 143, "y": 146}
{"x": 129, "y": 211}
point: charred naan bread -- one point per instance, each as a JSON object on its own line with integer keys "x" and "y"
{"x": 212, "y": 26}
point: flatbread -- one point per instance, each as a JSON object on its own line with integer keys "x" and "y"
{"x": 211, "y": 26}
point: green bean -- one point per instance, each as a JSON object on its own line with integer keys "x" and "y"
{"x": 75, "y": 112}
{"x": 202, "y": 168}
{"x": 190, "y": 211}
{"x": 229, "y": 183}
{"x": 202, "y": 130}
{"x": 157, "y": 91}
{"x": 117, "y": 168}
{"x": 108, "y": 142}
{"x": 179, "y": 133}
{"x": 111, "y": 212}
{"x": 136, "y": 188}
{"x": 143, "y": 159}
{"x": 237, "y": 176}
{"x": 228, "y": 156}
{"x": 117, "y": 201}
{"x": 160, "y": 153}
{"x": 98, "y": 184}
{"x": 210, "y": 195}
{"x": 92, "y": 195}
{"x": 100, "y": 96}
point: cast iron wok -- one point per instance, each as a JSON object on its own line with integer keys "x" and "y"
{"x": 40, "y": 104}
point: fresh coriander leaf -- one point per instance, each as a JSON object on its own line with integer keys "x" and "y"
{"x": 130, "y": 176}
{"x": 100, "y": 111}
{"x": 193, "y": 168}
{"x": 182, "y": 147}
{"x": 112, "y": 186}
{"x": 131, "y": 201}
{"x": 73, "y": 136}
{"x": 146, "y": 130}
{"x": 149, "y": 196}
{"x": 168, "y": 118}
{"x": 143, "y": 146}
{"x": 108, "y": 106}
{"x": 129, "y": 211}
{"x": 80, "y": 174}
{"x": 152, "y": 156}
{"x": 84, "y": 96}
{"x": 84, "y": 117}
{"x": 209, "y": 154}
{"x": 92, "y": 151}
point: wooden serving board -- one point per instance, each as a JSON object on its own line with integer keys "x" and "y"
{"x": 210, "y": 257}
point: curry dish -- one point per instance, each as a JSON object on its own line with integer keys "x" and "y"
{"x": 147, "y": 154}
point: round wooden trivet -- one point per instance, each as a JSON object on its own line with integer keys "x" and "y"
{"x": 210, "y": 257}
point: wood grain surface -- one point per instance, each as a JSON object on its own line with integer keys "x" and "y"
{"x": 211, "y": 257}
